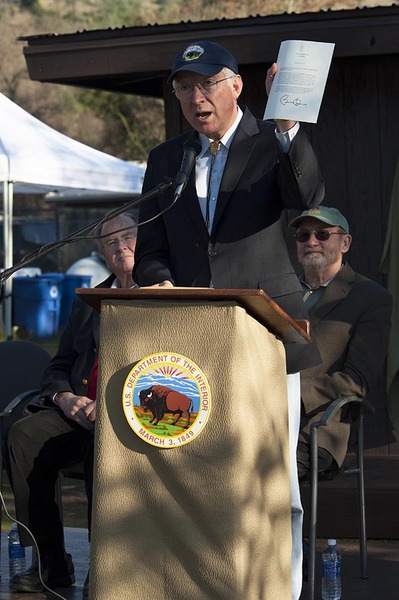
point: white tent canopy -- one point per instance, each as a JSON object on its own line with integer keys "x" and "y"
{"x": 34, "y": 158}
{"x": 33, "y": 155}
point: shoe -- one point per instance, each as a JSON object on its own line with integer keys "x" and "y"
{"x": 85, "y": 593}
{"x": 55, "y": 573}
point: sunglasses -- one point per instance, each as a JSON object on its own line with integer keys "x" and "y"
{"x": 321, "y": 235}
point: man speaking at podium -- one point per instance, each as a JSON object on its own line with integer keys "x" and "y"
{"x": 224, "y": 229}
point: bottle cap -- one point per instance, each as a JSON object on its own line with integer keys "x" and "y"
{"x": 331, "y": 542}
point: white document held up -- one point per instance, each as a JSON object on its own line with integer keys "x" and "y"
{"x": 298, "y": 86}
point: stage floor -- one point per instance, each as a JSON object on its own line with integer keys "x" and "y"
{"x": 383, "y": 558}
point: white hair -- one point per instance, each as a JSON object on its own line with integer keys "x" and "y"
{"x": 124, "y": 215}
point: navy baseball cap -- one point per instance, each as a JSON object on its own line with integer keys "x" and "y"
{"x": 330, "y": 216}
{"x": 206, "y": 58}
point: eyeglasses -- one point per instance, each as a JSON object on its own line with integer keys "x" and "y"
{"x": 126, "y": 240}
{"x": 184, "y": 90}
{"x": 321, "y": 235}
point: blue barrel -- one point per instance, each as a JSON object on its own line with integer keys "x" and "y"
{"x": 36, "y": 304}
{"x": 69, "y": 284}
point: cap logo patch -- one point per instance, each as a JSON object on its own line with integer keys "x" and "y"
{"x": 314, "y": 211}
{"x": 192, "y": 53}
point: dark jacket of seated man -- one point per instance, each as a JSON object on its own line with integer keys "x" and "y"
{"x": 350, "y": 317}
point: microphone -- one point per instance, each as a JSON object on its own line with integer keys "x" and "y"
{"x": 192, "y": 147}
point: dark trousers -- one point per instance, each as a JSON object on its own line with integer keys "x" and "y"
{"x": 38, "y": 446}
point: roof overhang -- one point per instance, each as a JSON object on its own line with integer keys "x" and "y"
{"x": 136, "y": 60}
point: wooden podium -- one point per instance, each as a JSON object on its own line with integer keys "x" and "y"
{"x": 193, "y": 505}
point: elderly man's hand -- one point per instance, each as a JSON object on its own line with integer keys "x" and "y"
{"x": 282, "y": 124}
{"x": 166, "y": 283}
{"x": 80, "y": 409}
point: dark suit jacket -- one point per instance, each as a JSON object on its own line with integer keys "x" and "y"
{"x": 70, "y": 369}
{"x": 246, "y": 248}
{"x": 351, "y": 324}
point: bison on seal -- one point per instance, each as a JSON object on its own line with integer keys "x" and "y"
{"x": 159, "y": 399}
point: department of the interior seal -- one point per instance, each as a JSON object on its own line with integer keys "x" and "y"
{"x": 166, "y": 400}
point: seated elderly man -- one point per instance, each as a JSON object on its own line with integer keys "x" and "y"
{"x": 49, "y": 440}
{"x": 351, "y": 317}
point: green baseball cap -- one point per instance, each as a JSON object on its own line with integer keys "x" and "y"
{"x": 330, "y": 216}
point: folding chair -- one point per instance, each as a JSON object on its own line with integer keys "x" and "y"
{"x": 22, "y": 364}
{"x": 357, "y": 431}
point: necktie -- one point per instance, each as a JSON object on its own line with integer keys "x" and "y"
{"x": 214, "y": 147}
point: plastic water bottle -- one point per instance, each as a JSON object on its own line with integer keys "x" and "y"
{"x": 16, "y": 552}
{"x": 331, "y": 579}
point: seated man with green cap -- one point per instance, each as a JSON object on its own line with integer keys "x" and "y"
{"x": 350, "y": 317}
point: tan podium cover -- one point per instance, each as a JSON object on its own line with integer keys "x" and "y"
{"x": 208, "y": 520}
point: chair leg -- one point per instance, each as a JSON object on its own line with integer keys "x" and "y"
{"x": 313, "y": 513}
{"x": 361, "y": 501}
